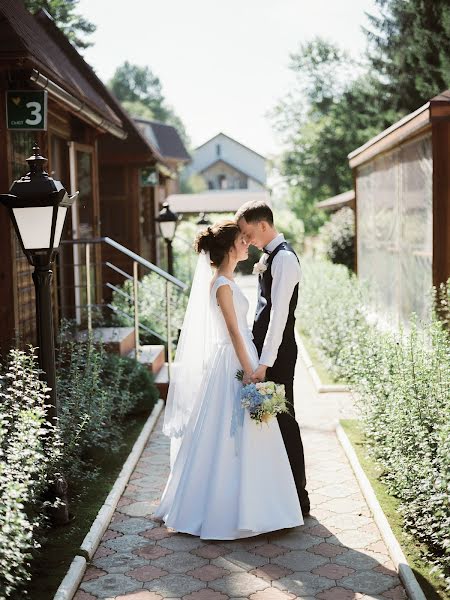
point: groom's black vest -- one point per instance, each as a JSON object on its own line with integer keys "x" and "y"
{"x": 287, "y": 353}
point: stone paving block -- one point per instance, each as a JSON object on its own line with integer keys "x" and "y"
{"x": 222, "y": 562}
{"x": 395, "y": 593}
{"x": 303, "y": 584}
{"x": 336, "y": 490}
{"x": 126, "y": 543}
{"x": 338, "y": 593}
{"x": 320, "y": 531}
{"x": 245, "y": 543}
{"x": 354, "y": 539}
{"x": 179, "y": 562}
{"x": 368, "y": 582}
{"x": 360, "y": 561}
{"x": 344, "y": 505}
{"x": 138, "y": 509}
{"x": 328, "y": 550}
{"x": 333, "y": 571}
{"x": 175, "y": 585}
{"x": 208, "y": 573}
{"x": 299, "y": 540}
{"x": 119, "y": 562}
{"x": 300, "y": 560}
{"x": 210, "y": 551}
{"x": 272, "y": 594}
{"x": 103, "y": 551}
{"x": 141, "y": 595}
{"x": 112, "y": 584}
{"x": 152, "y": 552}
{"x": 123, "y": 502}
{"x": 246, "y": 560}
{"x": 268, "y": 550}
{"x": 132, "y": 526}
{"x": 158, "y": 533}
{"x": 270, "y": 572}
{"x": 239, "y": 584}
{"x": 146, "y": 573}
{"x": 181, "y": 543}
{"x": 93, "y": 573}
{"x": 145, "y": 494}
{"x": 80, "y": 595}
{"x": 205, "y": 594}
{"x": 347, "y": 521}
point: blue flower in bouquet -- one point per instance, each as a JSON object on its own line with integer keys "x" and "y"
{"x": 263, "y": 400}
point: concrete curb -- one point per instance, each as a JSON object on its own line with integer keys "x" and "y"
{"x": 405, "y": 572}
{"x": 321, "y": 388}
{"x": 71, "y": 581}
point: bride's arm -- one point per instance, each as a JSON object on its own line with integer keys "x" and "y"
{"x": 225, "y": 301}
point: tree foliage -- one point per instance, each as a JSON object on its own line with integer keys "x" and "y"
{"x": 73, "y": 25}
{"x": 140, "y": 92}
{"x": 409, "y": 46}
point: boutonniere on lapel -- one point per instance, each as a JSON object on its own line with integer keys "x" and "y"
{"x": 259, "y": 268}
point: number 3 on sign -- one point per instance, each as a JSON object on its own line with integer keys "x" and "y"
{"x": 36, "y": 112}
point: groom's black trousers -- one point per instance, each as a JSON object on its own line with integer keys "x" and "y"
{"x": 290, "y": 432}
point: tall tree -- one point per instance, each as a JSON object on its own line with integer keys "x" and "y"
{"x": 73, "y": 25}
{"x": 409, "y": 46}
{"x": 334, "y": 109}
{"x": 140, "y": 92}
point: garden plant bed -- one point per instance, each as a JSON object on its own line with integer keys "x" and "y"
{"x": 63, "y": 543}
{"x": 432, "y": 586}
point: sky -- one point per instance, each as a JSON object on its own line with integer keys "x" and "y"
{"x": 223, "y": 65}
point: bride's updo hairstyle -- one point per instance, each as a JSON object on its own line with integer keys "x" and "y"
{"x": 217, "y": 240}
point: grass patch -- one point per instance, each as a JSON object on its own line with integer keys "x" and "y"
{"x": 432, "y": 586}
{"x": 62, "y": 543}
{"x": 325, "y": 376}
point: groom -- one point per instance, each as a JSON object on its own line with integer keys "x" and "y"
{"x": 273, "y": 329}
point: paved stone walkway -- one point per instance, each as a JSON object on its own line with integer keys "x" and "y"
{"x": 337, "y": 555}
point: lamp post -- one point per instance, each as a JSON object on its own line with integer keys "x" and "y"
{"x": 37, "y": 206}
{"x": 203, "y": 221}
{"x": 168, "y": 221}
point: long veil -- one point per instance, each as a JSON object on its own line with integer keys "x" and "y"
{"x": 198, "y": 335}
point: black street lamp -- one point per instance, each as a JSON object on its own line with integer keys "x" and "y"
{"x": 168, "y": 222}
{"x": 203, "y": 221}
{"x": 38, "y": 206}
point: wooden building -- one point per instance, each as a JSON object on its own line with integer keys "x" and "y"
{"x": 91, "y": 145}
{"x": 402, "y": 186}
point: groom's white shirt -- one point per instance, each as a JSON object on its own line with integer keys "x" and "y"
{"x": 286, "y": 273}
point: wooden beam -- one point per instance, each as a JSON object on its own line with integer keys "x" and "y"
{"x": 441, "y": 202}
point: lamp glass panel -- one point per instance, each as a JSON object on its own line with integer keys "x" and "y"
{"x": 35, "y": 226}
{"x": 60, "y": 218}
{"x": 168, "y": 229}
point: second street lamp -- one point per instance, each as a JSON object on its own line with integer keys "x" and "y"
{"x": 203, "y": 221}
{"x": 168, "y": 221}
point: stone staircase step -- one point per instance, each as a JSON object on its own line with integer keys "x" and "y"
{"x": 152, "y": 356}
{"x": 119, "y": 340}
{"x": 162, "y": 381}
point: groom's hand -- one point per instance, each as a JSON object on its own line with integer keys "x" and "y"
{"x": 259, "y": 374}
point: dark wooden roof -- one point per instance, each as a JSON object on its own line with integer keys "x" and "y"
{"x": 29, "y": 41}
{"x": 168, "y": 140}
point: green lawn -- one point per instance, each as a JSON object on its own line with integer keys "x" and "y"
{"x": 325, "y": 376}
{"x": 62, "y": 544}
{"x": 432, "y": 586}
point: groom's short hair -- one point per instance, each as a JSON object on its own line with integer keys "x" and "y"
{"x": 254, "y": 212}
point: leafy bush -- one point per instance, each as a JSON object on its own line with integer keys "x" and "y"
{"x": 338, "y": 238}
{"x": 30, "y": 450}
{"x": 402, "y": 380}
{"x": 96, "y": 391}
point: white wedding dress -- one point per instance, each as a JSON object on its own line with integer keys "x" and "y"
{"x": 231, "y": 477}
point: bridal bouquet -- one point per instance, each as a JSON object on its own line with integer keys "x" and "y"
{"x": 263, "y": 400}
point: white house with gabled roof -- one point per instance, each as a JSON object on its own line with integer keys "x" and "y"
{"x": 226, "y": 164}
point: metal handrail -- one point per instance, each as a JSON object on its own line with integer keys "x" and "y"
{"x": 142, "y": 261}
{"x": 137, "y": 260}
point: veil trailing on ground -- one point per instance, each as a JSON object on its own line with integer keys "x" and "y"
{"x": 197, "y": 338}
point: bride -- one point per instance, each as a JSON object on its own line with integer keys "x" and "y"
{"x": 230, "y": 477}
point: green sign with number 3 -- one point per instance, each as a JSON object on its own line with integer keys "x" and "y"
{"x": 26, "y": 110}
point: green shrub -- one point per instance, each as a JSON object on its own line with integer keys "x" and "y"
{"x": 338, "y": 238}
{"x": 402, "y": 380}
{"x": 30, "y": 450}
{"x": 96, "y": 391}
